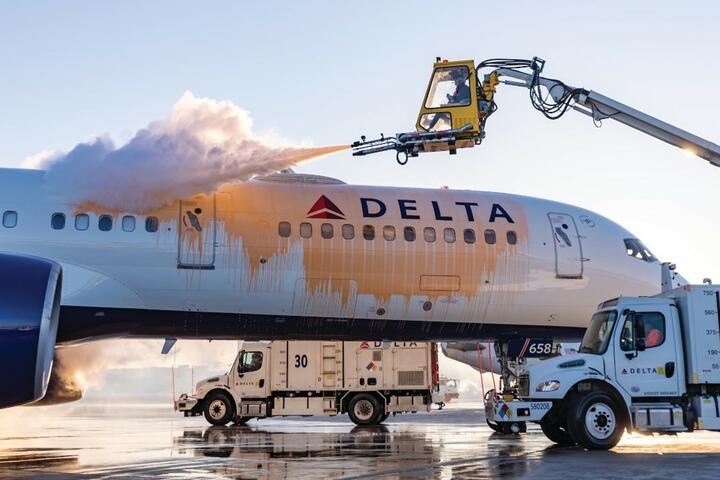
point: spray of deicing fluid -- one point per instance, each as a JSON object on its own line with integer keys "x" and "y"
{"x": 82, "y": 366}
{"x": 202, "y": 144}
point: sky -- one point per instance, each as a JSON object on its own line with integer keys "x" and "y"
{"x": 327, "y": 72}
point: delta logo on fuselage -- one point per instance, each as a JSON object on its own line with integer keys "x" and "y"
{"x": 374, "y": 208}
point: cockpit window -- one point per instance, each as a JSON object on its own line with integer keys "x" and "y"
{"x": 636, "y": 249}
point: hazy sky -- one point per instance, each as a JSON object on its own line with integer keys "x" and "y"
{"x": 326, "y": 72}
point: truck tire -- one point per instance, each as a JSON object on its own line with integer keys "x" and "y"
{"x": 219, "y": 409}
{"x": 364, "y": 409}
{"x": 595, "y": 421}
{"x": 557, "y": 433}
{"x": 384, "y": 417}
{"x": 241, "y": 420}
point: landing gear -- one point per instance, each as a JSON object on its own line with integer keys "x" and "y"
{"x": 504, "y": 412}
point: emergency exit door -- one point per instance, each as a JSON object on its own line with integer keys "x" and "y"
{"x": 568, "y": 249}
{"x": 196, "y": 233}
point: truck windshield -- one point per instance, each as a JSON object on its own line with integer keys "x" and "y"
{"x": 597, "y": 336}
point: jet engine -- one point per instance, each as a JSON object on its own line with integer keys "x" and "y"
{"x": 65, "y": 385}
{"x": 29, "y": 311}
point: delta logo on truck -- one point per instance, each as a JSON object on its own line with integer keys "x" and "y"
{"x": 643, "y": 371}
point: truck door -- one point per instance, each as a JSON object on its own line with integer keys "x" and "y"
{"x": 646, "y": 350}
{"x": 251, "y": 373}
{"x": 196, "y": 233}
{"x": 568, "y": 249}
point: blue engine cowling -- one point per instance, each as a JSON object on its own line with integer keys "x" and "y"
{"x": 29, "y": 310}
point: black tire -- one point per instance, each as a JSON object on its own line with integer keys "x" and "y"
{"x": 241, "y": 420}
{"x": 219, "y": 408}
{"x": 493, "y": 426}
{"x": 595, "y": 421}
{"x": 364, "y": 409}
{"x": 384, "y": 417}
{"x": 557, "y": 433}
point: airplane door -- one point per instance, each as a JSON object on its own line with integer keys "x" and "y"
{"x": 568, "y": 249}
{"x": 196, "y": 233}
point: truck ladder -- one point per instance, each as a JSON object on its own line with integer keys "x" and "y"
{"x": 329, "y": 377}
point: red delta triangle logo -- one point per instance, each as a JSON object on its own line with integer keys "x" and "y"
{"x": 325, "y": 208}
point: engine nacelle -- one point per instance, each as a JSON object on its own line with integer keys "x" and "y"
{"x": 30, "y": 290}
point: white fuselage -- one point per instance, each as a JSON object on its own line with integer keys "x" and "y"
{"x": 292, "y": 256}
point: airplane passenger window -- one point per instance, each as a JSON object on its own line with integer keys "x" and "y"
{"x": 57, "y": 221}
{"x": 284, "y": 229}
{"x": 151, "y": 224}
{"x": 389, "y": 233}
{"x": 82, "y": 221}
{"x": 429, "y": 234}
{"x": 449, "y": 234}
{"x": 10, "y": 218}
{"x": 469, "y": 235}
{"x": 368, "y": 232}
{"x": 305, "y": 230}
{"x": 128, "y": 223}
{"x": 326, "y": 231}
{"x": 490, "y": 238}
{"x": 409, "y": 234}
{"x": 105, "y": 223}
{"x": 511, "y": 237}
{"x": 348, "y": 231}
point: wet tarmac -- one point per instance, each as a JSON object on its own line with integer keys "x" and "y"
{"x": 144, "y": 441}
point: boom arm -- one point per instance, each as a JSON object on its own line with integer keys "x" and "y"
{"x": 599, "y": 107}
{"x": 460, "y": 123}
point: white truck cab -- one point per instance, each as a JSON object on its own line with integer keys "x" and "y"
{"x": 646, "y": 364}
{"x": 367, "y": 380}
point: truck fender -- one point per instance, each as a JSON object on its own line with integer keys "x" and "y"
{"x": 583, "y": 386}
{"x": 224, "y": 390}
{"x": 345, "y": 399}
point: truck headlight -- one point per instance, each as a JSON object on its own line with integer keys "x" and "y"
{"x": 549, "y": 386}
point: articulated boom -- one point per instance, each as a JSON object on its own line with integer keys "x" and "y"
{"x": 457, "y": 105}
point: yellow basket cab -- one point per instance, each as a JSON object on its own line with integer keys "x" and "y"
{"x": 451, "y": 102}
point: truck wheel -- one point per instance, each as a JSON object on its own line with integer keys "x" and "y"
{"x": 219, "y": 409}
{"x": 493, "y": 426}
{"x": 557, "y": 433}
{"x": 364, "y": 409}
{"x": 241, "y": 420}
{"x": 384, "y": 417}
{"x": 595, "y": 421}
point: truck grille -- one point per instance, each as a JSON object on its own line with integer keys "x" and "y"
{"x": 416, "y": 377}
{"x": 524, "y": 385}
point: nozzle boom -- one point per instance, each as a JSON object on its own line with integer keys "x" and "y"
{"x": 408, "y": 143}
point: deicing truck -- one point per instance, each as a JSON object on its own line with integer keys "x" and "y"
{"x": 646, "y": 364}
{"x": 366, "y": 380}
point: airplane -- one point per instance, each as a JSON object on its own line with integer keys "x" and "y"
{"x": 299, "y": 256}
{"x": 481, "y": 356}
